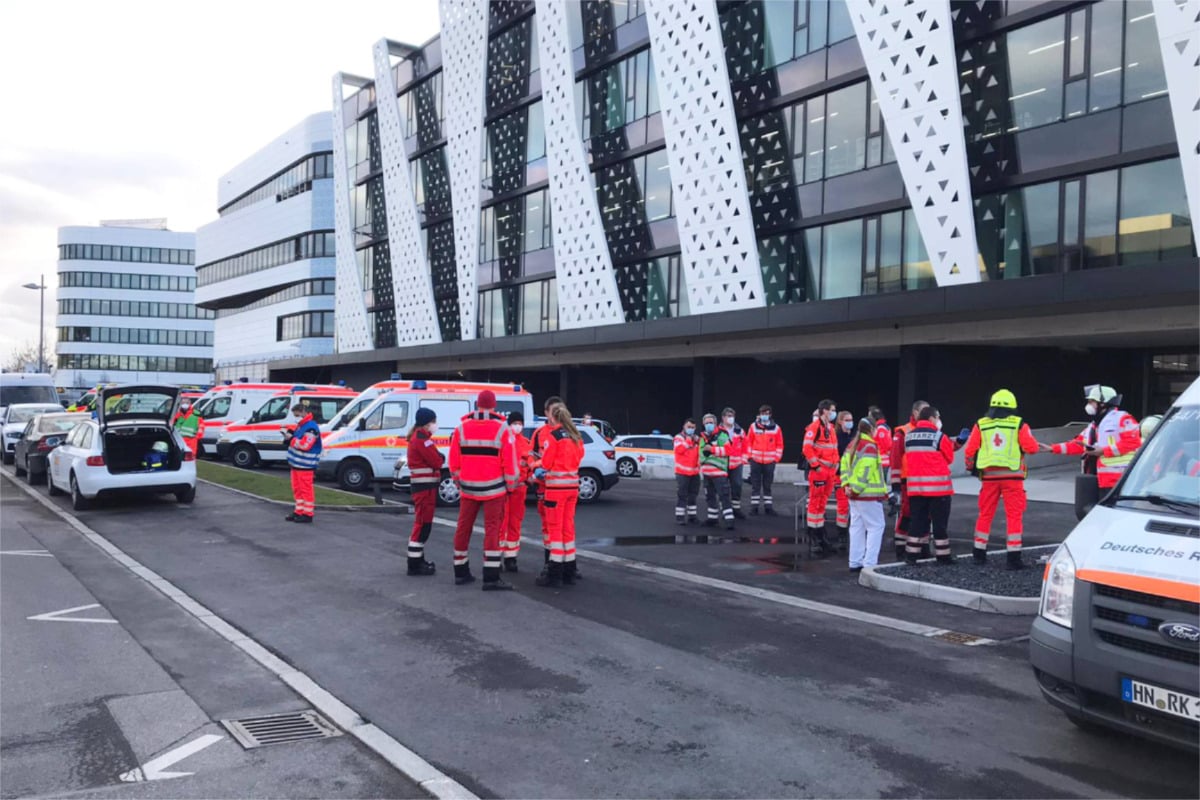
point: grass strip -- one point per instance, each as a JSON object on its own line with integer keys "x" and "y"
{"x": 271, "y": 485}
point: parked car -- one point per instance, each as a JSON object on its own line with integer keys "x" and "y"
{"x": 129, "y": 448}
{"x": 15, "y": 417}
{"x": 635, "y": 452}
{"x": 42, "y": 434}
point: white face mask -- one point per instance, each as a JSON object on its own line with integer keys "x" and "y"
{"x": 1090, "y": 409}
{"x": 765, "y": 419}
{"x": 689, "y": 430}
{"x": 432, "y": 428}
{"x": 939, "y": 424}
{"x": 729, "y": 422}
{"x": 848, "y": 425}
{"x": 517, "y": 427}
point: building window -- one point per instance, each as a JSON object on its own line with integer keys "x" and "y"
{"x": 590, "y": 20}
{"x": 125, "y": 308}
{"x": 617, "y": 95}
{"x": 117, "y": 363}
{"x": 124, "y": 280}
{"x": 136, "y": 336}
{"x": 96, "y": 252}
{"x": 318, "y": 244}
{"x": 525, "y": 308}
{"x": 305, "y": 325}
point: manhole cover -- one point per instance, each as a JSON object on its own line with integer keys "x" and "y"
{"x": 957, "y": 638}
{"x": 298, "y": 726}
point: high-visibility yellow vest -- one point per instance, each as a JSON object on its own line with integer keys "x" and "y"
{"x": 999, "y": 444}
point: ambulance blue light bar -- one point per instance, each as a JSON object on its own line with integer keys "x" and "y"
{"x": 419, "y": 385}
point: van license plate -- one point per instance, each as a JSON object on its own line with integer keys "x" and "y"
{"x": 1176, "y": 704}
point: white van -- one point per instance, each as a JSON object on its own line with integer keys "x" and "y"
{"x": 26, "y": 387}
{"x": 221, "y": 406}
{"x": 368, "y": 447}
{"x": 1116, "y": 642}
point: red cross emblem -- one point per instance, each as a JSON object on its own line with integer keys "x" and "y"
{"x": 997, "y": 441}
{"x": 641, "y": 458}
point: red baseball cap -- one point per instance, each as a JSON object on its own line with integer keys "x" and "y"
{"x": 486, "y": 399}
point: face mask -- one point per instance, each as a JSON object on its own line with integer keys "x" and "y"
{"x": 1090, "y": 409}
{"x": 764, "y": 418}
{"x": 848, "y": 425}
{"x": 689, "y": 430}
{"x": 708, "y": 426}
{"x": 517, "y": 427}
{"x": 729, "y": 422}
{"x": 432, "y": 428}
{"x": 939, "y": 424}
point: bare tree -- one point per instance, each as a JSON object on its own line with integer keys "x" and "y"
{"x": 27, "y": 356}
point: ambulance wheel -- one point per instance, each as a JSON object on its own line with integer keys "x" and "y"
{"x": 589, "y": 486}
{"x": 627, "y": 468}
{"x": 244, "y": 456}
{"x": 448, "y": 493}
{"x": 354, "y": 475}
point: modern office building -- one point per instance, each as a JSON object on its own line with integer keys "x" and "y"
{"x": 266, "y": 265}
{"x": 126, "y": 306}
{"x": 662, "y": 207}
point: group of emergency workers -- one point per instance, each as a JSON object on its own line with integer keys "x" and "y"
{"x": 866, "y": 464}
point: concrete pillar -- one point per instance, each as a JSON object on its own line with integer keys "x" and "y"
{"x": 703, "y": 386}
{"x": 913, "y": 381}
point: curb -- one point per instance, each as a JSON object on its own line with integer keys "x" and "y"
{"x": 878, "y": 579}
{"x": 405, "y": 761}
{"x": 387, "y": 508}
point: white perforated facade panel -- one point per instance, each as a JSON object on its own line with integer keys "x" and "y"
{"x": 587, "y": 288}
{"x": 716, "y": 232}
{"x": 1179, "y": 37}
{"x": 416, "y": 316}
{"x": 464, "y": 59}
{"x": 908, "y": 47}
{"x": 350, "y": 310}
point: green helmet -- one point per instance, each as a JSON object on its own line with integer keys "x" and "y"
{"x": 1105, "y": 395}
{"x": 1003, "y": 399}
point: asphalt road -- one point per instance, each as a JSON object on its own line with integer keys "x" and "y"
{"x": 634, "y": 683}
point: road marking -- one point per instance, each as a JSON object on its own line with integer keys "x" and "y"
{"x": 41, "y": 553}
{"x": 59, "y": 616}
{"x": 413, "y": 766}
{"x": 155, "y": 770}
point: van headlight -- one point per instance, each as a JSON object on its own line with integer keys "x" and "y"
{"x": 1058, "y": 588}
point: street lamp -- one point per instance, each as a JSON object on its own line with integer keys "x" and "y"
{"x": 41, "y": 287}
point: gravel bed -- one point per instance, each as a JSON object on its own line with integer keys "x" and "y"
{"x": 992, "y": 578}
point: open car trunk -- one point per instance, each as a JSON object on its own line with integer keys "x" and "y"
{"x": 128, "y": 449}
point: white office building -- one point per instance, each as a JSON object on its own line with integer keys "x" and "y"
{"x": 126, "y": 306}
{"x": 266, "y": 265}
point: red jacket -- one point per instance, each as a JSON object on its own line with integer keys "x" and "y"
{"x": 896, "y": 462}
{"x": 687, "y": 454}
{"x": 764, "y": 444}
{"x": 820, "y": 447}
{"x": 525, "y": 457}
{"x": 1118, "y": 435}
{"x": 483, "y": 458}
{"x": 539, "y": 442}
{"x": 561, "y": 461}
{"x": 927, "y": 456}
{"x": 424, "y": 461}
{"x": 883, "y": 441}
{"x": 736, "y": 449}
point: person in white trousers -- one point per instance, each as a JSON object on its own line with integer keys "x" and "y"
{"x": 862, "y": 476}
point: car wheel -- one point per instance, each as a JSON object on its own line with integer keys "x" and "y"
{"x": 448, "y": 492}
{"x": 34, "y": 478}
{"x": 8, "y": 458}
{"x": 51, "y": 489}
{"x": 244, "y": 456}
{"x": 186, "y": 495}
{"x": 78, "y": 501}
{"x": 627, "y": 468}
{"x": 589, "y": 486}
{"x": 17, "y": 468}
{"x": 354, "y": 475}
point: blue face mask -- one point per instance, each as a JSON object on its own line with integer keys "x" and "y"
{"x": 689, "y": 430}
{"x": 708, "y": 426}
{"x": 765, "y": 419}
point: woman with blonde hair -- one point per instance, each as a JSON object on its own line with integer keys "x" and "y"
{"x": 560, "y": 471}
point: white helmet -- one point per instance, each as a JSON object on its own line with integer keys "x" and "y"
{"x": 1149, "y": 424}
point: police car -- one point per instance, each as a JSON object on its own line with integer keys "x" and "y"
{"x": 637, "y": 451}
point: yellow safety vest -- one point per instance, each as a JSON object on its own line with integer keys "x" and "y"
{"x": 999, "y": 443}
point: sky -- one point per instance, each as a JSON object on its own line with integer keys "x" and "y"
{"x": 128, "y": 109}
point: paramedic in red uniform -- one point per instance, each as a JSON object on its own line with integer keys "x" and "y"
{"x": 541, "y": 438}
{"x": 303, "y": 455}
{"x": 514, "y": 510}
{"x": 1108, "y": 443}
{"x": 898, "y": 479}
{"x": 560, "y": 470}
{"x": 764, "y": 446}
{"x": 737, "y": 457}
{"x": 927, "y": 455}
{"x": 687, "y": 473}
{"x": 425, "y": 463}
{"x": 483, "y": 462}
{"x": 820, "y": 451}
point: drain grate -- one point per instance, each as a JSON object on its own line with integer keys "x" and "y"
{"x": 298, "y": 726}
{"x": 955, "y": 637}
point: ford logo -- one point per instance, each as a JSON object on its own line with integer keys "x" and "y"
{"x": 1180, "y": 633}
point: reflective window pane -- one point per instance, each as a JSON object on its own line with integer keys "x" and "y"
{"x": 845, "y": 130}
{"x": 1035, "y": 70}
{"x": 1144, "y": 76}
{"x": 1154, "y": 223}
{"x": 1100, "y": 220}
{"x": 841, "y": 272}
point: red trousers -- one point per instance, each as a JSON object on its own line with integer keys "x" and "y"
{"x": 1012, "y": 491}
{"x": 820, "y": 486}
{"x": 302, "y": 491}
{"x": 843, "y": 506}
{"x": 493, "y": 520}
{"x": 560, "y": 518}
{"x": 424, "y": 502}
{"x": 514, "y": 515}
{"x": 193, "y": 444}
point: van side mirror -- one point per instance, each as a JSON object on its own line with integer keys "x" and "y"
{"x": 362, "y": 424}
{"x": 253, "y": 418}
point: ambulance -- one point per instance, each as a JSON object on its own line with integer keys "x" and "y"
{"x": 232, "y": 402}
{"x": 258, "y": 438}
{"x": 1116, "y": 643}
{"x": 376, "y": 440}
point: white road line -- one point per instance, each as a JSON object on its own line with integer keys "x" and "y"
{"x": 40, "y": 553}
{"x": 58, "y": 616}
{"x": 428, "y": 777}
{"x": 155, "y": 770}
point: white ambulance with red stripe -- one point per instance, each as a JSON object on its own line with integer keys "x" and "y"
{"x": 1116, "y": 642}
{"x": 257, "y": 439}
{"x": 368, "y": 447}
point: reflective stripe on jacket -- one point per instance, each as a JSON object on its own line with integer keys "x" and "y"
{"x": 997, "y": 447}
{"x": 737, "y": 447}
{"x": 927, "y": 456}
{"x": 188, "y": 425}
{"x": 561, "y": 461}
{"x": 483, "y": 458}
{"x": 862, "y": 470}
{"x": 1119, "y": 436}
{"x": 304, "y": 448}
{"x": 424, "y": 462}
{"x": 714, "y": 458}
{"x": 764, "y": 443}
{"x": 820, "y": 446}
{"x": 883, "y": 441}
{"x": 687, "y": 454}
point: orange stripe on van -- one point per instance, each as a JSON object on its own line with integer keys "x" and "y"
{"x": 1189, "y": 592}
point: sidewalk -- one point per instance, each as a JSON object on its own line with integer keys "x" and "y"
{"x": 1047, "y": 484}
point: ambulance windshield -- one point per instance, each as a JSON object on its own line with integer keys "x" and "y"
{"x": 1167, "y": 471}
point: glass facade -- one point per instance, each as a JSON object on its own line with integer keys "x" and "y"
{"x": 305, "y": 325}
{"x": 318, "y": 244}
{"x": 127, "y": 280}
{"x": 525, "y": 308}
{"x": 293, "y": 180}
{"x": 305, "y": 289}
{"x": 133, "y": 308}
{"x": 134, "y": 363}
{"x": 113, "y": 252}
{"x": 174, "y": 338}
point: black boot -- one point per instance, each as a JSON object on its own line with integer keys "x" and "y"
{"x": 980, "y": 555}
{"x": 737, "y": 514}
{"x": 754, "y": 511}
{"x": 770, "y": 511}
{"x": 492, "y": 581}
{"x": 1014, "y": 560}
{"x": 462, "y": 574}
{"x": 292, "y": 517}
{"x": 569, "y": 573}
{"x": 545, "y": 555}
{"x": 926, "y": 551}
{"x": 946, "y": 561}
{"x": 711, "y": 523}
{"x": 693, "y": 521}
{"x": 843, "y": 542}
{"x": 303, "y": 519}
{"x": 510, "y": 564}
{"x": 817, "y": 542}
{"x": 419, "y": 566}
{"x": 551, "y": 576}
{"x": 899, "y": 552}
{"x": 680, "y": 520}
{"x": 911, "y": 558}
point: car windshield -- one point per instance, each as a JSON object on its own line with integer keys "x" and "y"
{"x": 11, "y": 395}
{"x": 26, "y": 414}
{"x": 138, "y": 404}
{"x": 1168, "y": 468}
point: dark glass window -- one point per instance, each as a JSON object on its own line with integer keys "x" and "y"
{"x": 1144, "y": 77}
{"x": 1154, "y": 224}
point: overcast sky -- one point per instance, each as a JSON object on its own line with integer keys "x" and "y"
{"x": 126, "y": 110}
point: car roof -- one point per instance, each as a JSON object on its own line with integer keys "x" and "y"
{"x": 1190, "y": 396}
{"x": 34, "y": 405}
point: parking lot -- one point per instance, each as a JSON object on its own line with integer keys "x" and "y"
{"x": 684, "y": 664}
